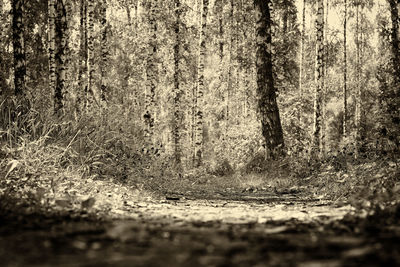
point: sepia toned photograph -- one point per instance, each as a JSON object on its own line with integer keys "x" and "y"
{"x": 199, "y": 133}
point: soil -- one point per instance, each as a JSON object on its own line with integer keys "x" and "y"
{"x": 251, "y": 229}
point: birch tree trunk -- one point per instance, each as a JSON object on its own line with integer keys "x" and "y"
{"x": 52, "y": 45}
{"x": 358, "y": 85}
{"x": 90, "y": 51}
{"x": 198, "y": 152}
{"x": 178, "y": 94}
{"x": 345, "y": 72}
{"x": 301, "y": 72}
{"x": 194, "y": 88}
{"x": 151, "y": 75}
{"x": 267, "y": 104}
{"x": 18, "y": 47}
{"x": 395, "y": 34}
{"x": 229, "y": 89}
{"x": 3, "y": 83}
{"x": 61, "y": 45}
{"x": 83, "y": 60}
{"x": 394, "y": 111}
{"x": 319, "y": 76}
{"x": 221, "y": 47}
{"x": 104, "y": 52}
{"x": 325, "y": 88}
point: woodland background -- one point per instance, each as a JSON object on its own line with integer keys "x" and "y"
{"x": 149, "y": 92}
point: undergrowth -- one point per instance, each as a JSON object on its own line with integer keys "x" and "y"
{"x": 67, "y": 162}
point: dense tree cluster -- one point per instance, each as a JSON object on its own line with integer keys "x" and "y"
{"x": 199, "y": 76}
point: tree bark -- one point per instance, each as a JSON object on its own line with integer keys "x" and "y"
{"x": 83, "y": 60}
{"x": 178, "y": 94}
{"x": 104, "y": 52}
{"x": 345, "y": 72}
{"x": 358, "y": 85}
{"x": 267, "y": 104}
{"x": 325, "y": 87}
{"x": 52, "y": 44}
{"x": 319, "y": 79}
{"x": 151, "y": 75}
{"x": 229, "y": 89}
{"x": 301, "y": 72}
{"x": 19, "y": 47}
{"x": 394, "y": 110}
{"x": 90, "y": 51}
{"x": 221, "y": 49}
{"x": 61, "y": 45}
{"x": 395, "y": 36}
{"x": 200, "y": 88}
{"x": 3, "y": 83}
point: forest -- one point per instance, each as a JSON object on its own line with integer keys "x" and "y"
{"x": 200, "y": 132}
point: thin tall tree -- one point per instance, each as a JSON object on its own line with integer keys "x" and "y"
{"x": 319, "y": 76}
{"x": 358, "y": 83}
{"x": 18, "y": 47}
{"x": 325, "y": 86}
{"x": 151, "y": 74}
{"x": 60, "y": 57}
{"x": 345, "y": 130}
{"x": 198, "y": 149}
{"x": 301, "y": 67}
{"x": 104, "y": 52}
{"x": 231, "y": 69}
{"x": 52, "y": 44}
{"x": 83, "y": 59}
{"x": 90, "y": 51}
{"x": 394, "y": 111}
{"x": 267, "y": 104}
{"x": 395, "y": 37}
{"x": 178, "y": 91}
{"x": 3, "y": 83}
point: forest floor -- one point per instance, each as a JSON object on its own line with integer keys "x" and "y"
{"x": 262, "y": 228}
{"x": 339, "y": 213}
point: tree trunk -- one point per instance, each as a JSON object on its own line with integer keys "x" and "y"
{"x": 324, "y": 79}
{"x": 83, "y": 60}
{"x": 90, "y": 51}
{"x": 395, "y": 34}
{"x": 198, "y": 152}
{"x": 104, "y": 52}
{"x": 319, "y": 76}
{"x": 61, "y": 44}
{"x": 345, "y": 72}
{"x": 221, "y": 46}
{"x": 52, "y": 45}
{"x": 267, "y": 104}
{"x": 19, "y": 47}
{"x": 301, "y": 73}
{"x": 237, "y": 91}
{"x": 151, "y": 75}
{"x": 358, "y": 85}
{"x": 178, "y": 94}
{"x": 230, "y": 68}
{"x": 394, "y": 110}
{"x": 3, "y": 83}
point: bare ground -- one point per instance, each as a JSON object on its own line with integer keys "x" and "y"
{"x": 242, "y": 229}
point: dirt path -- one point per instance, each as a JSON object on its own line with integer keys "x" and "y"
{"x": 181, "y": 232}
{"x": 235, "y": 212}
